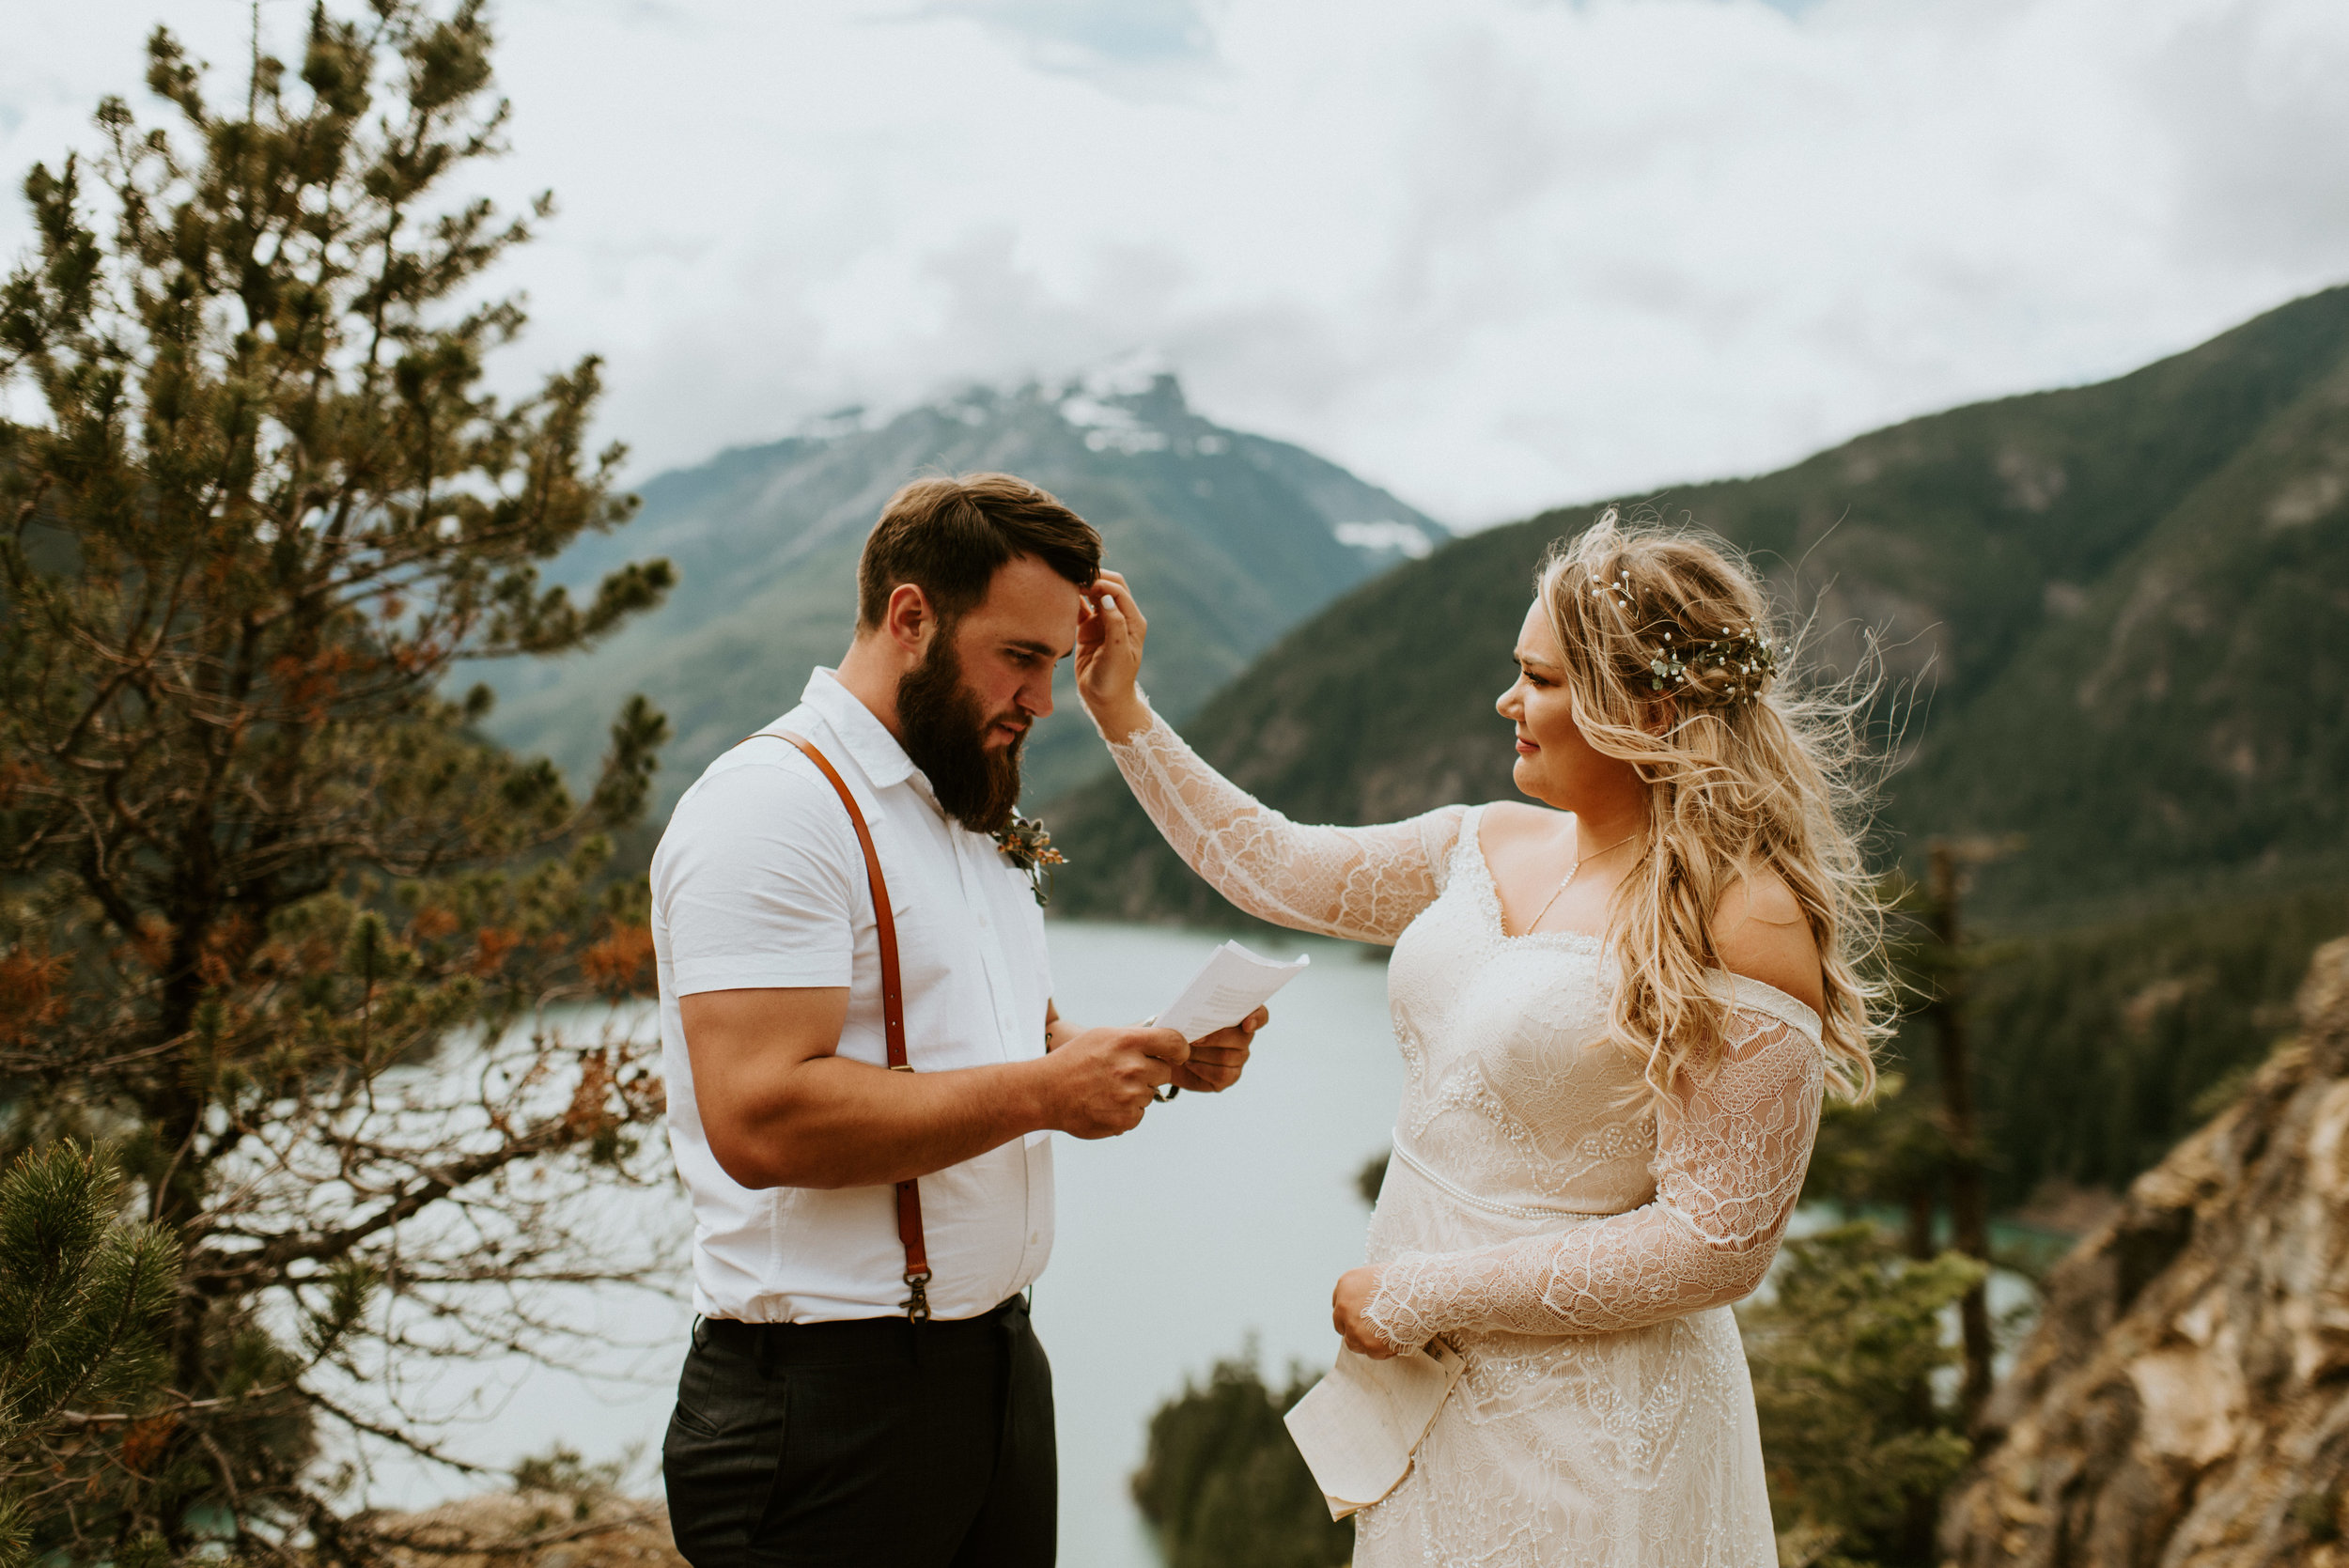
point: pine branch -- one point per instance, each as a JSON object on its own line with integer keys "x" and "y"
{"x": 635, "y": 1517}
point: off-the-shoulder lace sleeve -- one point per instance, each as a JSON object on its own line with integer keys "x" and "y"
{"x": 1729, "y": 1166}
{"x": 1362, "y": 883}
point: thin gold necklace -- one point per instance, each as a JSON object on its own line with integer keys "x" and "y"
{"x": 1563, "y": 882}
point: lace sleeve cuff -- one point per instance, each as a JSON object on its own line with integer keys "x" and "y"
{"x": 1395, "y": 1310}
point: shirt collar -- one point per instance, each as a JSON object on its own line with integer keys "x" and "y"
{"x": 883, "y": 761}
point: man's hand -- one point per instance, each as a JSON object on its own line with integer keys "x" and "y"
{"x": 1357, "y": 1288}
{"x": 1217, "y": 1060}
{"x": 1103, "y": 1080}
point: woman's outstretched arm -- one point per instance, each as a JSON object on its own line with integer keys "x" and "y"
{"x": 1362, "y": 883}
{"x": 1731, "y": 1155}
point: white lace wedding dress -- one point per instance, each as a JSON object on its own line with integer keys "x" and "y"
{"x": 1577, "y": 1244}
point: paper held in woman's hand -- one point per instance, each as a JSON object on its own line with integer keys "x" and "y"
{"x": 1233, "y": 983}
{"x": 1359, "y": 1426}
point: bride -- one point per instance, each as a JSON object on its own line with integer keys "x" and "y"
{"x": 1617, "y": 1010}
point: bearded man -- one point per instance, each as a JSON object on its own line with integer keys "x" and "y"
{"x": 864, "y": 1386}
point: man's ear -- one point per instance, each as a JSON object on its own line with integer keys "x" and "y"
{"x": 910, "y": 621}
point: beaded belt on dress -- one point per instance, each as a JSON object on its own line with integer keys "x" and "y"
{"x": 1514, "y": 1211}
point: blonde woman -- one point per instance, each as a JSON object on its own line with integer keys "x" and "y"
{"x": 1618, "y": 1011}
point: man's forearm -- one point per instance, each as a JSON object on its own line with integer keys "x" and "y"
{"x": 847, "y": 1124}
{"x": 779, "y": 1108}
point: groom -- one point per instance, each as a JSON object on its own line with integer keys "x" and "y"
{"x": 864, "y": 1387}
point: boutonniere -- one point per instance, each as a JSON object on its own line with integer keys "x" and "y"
{"x": 1027, "y": 845}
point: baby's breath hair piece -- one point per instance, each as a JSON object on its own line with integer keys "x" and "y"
{"x": 1748, "y": 659}
{"x": 1679, "y": 665}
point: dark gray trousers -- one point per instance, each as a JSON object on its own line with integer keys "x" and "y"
{"x": 872, "y": 1444}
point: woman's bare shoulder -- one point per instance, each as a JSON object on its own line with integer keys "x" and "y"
{"x": 1759, "y": 932}
{"x": 1508, "y": 822}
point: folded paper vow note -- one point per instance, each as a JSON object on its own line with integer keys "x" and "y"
{"x": 1360, "y": 1425}
{"x": 1233, "y": 983}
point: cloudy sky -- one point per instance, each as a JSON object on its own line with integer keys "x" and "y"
{"x": 1494, "y": 254}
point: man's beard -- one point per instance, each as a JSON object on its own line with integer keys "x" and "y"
{"x": 945, "y": 732}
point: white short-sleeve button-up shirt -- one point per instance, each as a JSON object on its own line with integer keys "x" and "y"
{"x": 759, "y": 882}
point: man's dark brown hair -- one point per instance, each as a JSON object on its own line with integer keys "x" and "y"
{"x": 947, "y": 537}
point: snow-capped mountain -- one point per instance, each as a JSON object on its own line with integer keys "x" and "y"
{"x": 1229, "y": 540}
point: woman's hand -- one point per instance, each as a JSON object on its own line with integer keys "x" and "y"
{"x": 1347, "y": 1305}
{"x": 1109, "y": 629}
{"x": 1217, "y": 1060}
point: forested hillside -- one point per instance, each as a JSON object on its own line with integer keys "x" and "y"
{"x": 2124, "y": 609}
{"x": 1242, "y": 537}
{"x": 2120, "y": 617}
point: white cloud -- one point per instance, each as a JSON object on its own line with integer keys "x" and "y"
{"x": 1495, "y": 254}
{"x": 1093, "y": 35}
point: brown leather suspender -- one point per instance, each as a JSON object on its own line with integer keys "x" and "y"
{"x": 917, "y": 1275}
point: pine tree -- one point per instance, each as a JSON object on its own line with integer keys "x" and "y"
{"x": 1223, "y": 1484}
{"x": 1858, "y": 1435}
{"x": 81, "y": 1290}
{"x": 1857, "y": 1445}
{"x": 255, "y": 857}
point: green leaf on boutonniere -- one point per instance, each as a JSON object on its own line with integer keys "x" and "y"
{"x": 1027, "y": 845}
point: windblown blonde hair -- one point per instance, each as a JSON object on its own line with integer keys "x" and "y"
{"x": 1746, "y": 772}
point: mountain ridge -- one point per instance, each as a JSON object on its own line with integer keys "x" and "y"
{"x": 2157, "y": 522}
{"x": 1246, "y": 534}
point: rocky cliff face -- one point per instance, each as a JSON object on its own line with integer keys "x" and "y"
{"x": 2185, "y": 1399}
